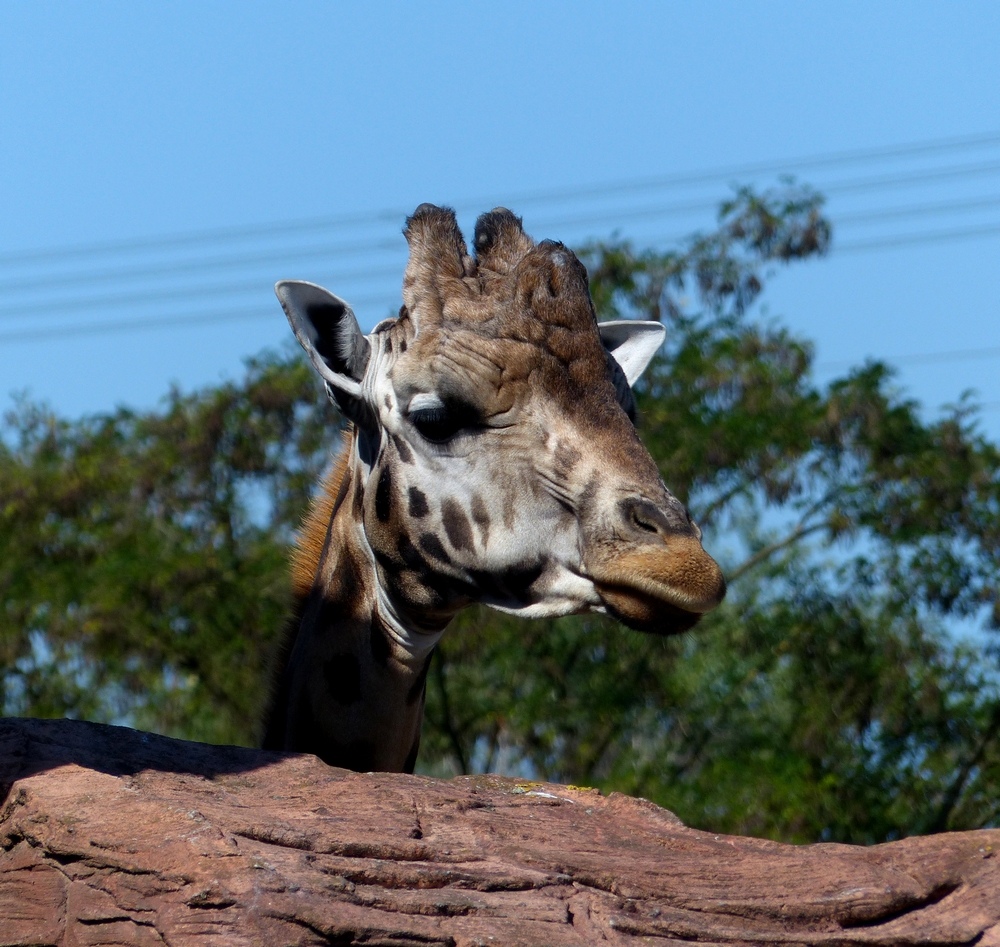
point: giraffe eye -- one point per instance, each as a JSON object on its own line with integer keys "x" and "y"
{"x": 441, "y": 422}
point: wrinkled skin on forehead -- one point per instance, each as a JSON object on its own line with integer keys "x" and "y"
{"x": 533, "y": 492}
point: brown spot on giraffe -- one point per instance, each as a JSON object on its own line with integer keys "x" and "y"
{"x": 456, "y": 524}
{"x": 402, "y": 449}
{"x": 434, "y": 548}
{"x": 481, "y": 517}
{"x": 418, "y": 507}
{"x": 491, "y": 457}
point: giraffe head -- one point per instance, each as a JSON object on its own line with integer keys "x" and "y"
{"x": 495, "y": 453}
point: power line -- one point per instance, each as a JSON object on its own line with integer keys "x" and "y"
{"x": 56, "y": 307}
{"x": 955, "y": 355}
{"x": 773, "y": 167}
{"x": 145, "y": 297}
{"x": 913, "y": 210}
{"x": 912, "y": 239}
{"x": 198, "y": 265}
{"x": 188, "y": 320}
{"x": 353, "y": 248}
{"x": 136, "y": 325}
{"x": 206, "y": 319}
{"x": 657, "y": 182}
{"x": 149, "y": 297}
{"x": 923, "y": 358}
{"x": 915, "y": 177}
{"x": 211, "y": 235}
{"x": 916, "y": 210}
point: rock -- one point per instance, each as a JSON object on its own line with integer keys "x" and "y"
{"x": 112, "y": 836}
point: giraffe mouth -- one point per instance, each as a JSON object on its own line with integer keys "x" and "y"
{"x": 643, "y": 612}
{"x": 663, "y": 590}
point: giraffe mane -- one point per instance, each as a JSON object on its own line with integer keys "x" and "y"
{"x": 311, "y": 537}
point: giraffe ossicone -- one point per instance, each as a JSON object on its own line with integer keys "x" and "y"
{"x": 491, "y": 458}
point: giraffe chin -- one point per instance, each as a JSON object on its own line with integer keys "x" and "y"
{"x": 643, "y": 612}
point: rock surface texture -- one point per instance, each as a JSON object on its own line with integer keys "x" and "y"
{"x": 111, "y": 836}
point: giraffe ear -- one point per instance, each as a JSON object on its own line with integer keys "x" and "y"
{"x": 327, "y": 329}
{"x": 632, "y": 344}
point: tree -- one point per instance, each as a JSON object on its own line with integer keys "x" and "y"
{"x": 142, "y": 557}
{"x": 142, "y": 578}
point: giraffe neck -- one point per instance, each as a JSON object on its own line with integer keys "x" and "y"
{"x": 352, "y": 690}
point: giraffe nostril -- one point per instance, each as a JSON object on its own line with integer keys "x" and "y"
{"x": 642, "y": 523}
{"x": 646, "y": 518}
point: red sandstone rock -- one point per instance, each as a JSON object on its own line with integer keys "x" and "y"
{"x": 111, "y": 836}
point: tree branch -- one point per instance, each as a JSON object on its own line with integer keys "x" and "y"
{"x": 940, "y": 821}
{"x": 446, "y": 722}
{"x": 798, "y": 533}
{"x": 705, "y": 515}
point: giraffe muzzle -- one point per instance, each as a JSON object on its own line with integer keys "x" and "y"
{"x": 658, "y": 578}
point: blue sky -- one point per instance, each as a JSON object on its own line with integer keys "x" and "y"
{"x": 122, "y": 122}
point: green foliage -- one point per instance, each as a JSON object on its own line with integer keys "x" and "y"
{"x": 142, "y": 573}
{"x": 142, "y": 557}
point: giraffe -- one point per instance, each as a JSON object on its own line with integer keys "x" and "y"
{"x": 491, "y": 457}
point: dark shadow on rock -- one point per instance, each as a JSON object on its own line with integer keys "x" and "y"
{"x": 29, "y": 746}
